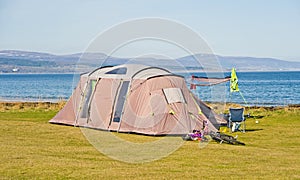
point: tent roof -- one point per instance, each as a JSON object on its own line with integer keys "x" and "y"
{"x": 127, "y": 71}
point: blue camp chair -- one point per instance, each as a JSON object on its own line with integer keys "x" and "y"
{"x": 236, "y": 119}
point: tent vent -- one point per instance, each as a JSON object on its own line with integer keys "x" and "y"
{"x": 174, "y": 95}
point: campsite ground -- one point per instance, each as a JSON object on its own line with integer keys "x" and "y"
{"x": 33, "y": 148}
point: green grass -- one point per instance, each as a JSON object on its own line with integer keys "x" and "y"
{"x": 33, "y": 148}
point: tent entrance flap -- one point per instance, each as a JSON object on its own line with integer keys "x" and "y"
{"x": 120, "y": 101}
{"x": 87, "y": 97}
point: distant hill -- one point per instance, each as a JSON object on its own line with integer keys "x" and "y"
{"x": 243, "y": 63}
{"x": 37, "y": 62}
{"x": 257, "y": 64}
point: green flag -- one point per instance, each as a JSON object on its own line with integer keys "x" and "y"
{"x": 234, "y": 82}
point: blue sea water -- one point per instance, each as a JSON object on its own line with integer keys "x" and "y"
{"x": 35, "y": 87}
{"x": 257, "y": 88}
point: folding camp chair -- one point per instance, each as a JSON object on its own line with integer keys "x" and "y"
{"x": 236, "y": 118}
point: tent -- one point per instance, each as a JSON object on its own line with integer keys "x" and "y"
{"x": 136, "y": 98}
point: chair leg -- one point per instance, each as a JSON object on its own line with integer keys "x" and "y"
{"x": 234, "y": 127}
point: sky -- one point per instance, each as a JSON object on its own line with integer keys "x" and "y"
{"x": 256, "y": 28}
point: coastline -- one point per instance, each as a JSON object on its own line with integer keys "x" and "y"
{"x": 28, "y": 100}
{"x": 19, "y": 105}
{"x": 61, "y": 99}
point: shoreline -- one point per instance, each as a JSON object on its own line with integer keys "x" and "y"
{"x": 59, "y": 102}
{"x": 33, "y": 100}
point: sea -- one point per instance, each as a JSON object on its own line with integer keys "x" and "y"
{"x": 256, "y": 88}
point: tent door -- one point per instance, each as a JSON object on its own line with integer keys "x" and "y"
{"x": 88, "y": 94}
{"x": 119, "y": 106}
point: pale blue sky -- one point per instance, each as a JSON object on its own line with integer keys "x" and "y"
{"x": 257, "y": 28}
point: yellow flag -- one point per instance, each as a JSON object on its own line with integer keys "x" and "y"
{"x": 234, "y": 87}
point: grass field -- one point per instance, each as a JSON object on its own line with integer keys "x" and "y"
{"x": 33, "y": 148}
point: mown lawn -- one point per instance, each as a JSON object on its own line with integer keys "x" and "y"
{"x": 33, "y": 148}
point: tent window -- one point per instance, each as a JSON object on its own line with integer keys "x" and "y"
{"x": 87, "y": 97}
{"x": 174, "y": 95}
{"x": 121, "y": 101}
{"x": 117, "y": 71}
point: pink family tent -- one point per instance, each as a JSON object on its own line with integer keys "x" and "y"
{"x": 136, "y": 99}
